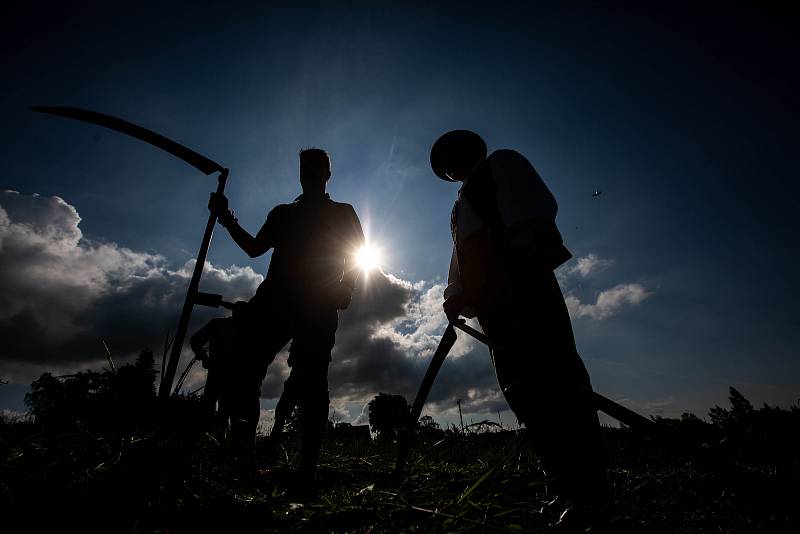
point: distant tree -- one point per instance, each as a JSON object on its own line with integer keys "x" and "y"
{"x": 388, "y": 415}
{"x": 64, "y": 401}
{"x": 426, "y": 423}
{"x": 690, "y": 418}
{"x": 738, "y": 416}
{"x": 133, "y": 389}
{"x": 124, "y": 400}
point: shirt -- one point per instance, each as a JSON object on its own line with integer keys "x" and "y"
{"x": 504, "y": 200}
{"x": 314, "y": 241}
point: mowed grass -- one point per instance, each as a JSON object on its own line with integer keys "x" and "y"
{"x": 488, "y": 483}
{"x": 177, "y": 478}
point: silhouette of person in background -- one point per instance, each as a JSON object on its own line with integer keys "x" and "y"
{"x": 506, "y": 246}
{"x": 229, "y": 377}
{"x": 311, "y": 276}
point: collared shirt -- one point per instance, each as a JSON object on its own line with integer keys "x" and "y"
{"x": 505, "y": 199}
{"x": 314, "y": 241}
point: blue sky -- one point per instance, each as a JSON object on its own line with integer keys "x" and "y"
{"x": 683, "y": 119}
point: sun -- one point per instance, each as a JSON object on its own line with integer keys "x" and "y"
{"x": 368, "y": 258}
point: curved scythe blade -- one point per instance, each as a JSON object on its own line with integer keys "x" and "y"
{"x": 188, "y": 155}
{"x": 194, "y": 159}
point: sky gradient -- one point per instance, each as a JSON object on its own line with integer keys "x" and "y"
{"x": 683, "y": 281}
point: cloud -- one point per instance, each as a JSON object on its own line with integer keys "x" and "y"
{"x": 581, "y": 272}
{"x": 391, "y": 354}
{"x": 13, "y": 415}
{"x": 587, "y": 265}
{"x": 61, "y": 292}
{"x": 609, "y": 302}
{"x": 363, "y": 417}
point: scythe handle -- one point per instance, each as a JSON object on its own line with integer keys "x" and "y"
{"x": 448, "y": 339}
{"x": 600, "y": 402}
{"x": 188, "y": 303}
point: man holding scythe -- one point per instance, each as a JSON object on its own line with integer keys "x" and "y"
{"x": 311, "y": 276}
{"x": 506, "y": 246}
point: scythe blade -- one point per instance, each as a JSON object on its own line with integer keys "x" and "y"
{"x": 188, "y": 155}
{"x": 194, "y": 159}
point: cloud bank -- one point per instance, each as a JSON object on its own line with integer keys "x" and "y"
{"x": 61, "y": 293}
{"x": 608, "y": 303}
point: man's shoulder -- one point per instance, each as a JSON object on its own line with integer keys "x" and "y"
{"x": 282, "y": 207}
{"x": 509, "y": 163}
{"x": 339, "y": 205}
{"x": 343, "y": 207}
{"x": 501, "y": 159}
{"x": 505, "y": 154}
{"x": 279, "y": 209}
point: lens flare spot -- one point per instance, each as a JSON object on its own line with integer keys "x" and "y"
{"x": 368, "y": 258}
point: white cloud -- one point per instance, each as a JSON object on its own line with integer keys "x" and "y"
{"x": 13, "y": 415}
{"x": 589, "y": 264}
{"x": 609, "y": 302}
{"x": 363, "y": 417}
{"x": 419, "y": 330}
{"x": 579, "y": 273}
{"x": 62, "y": 292}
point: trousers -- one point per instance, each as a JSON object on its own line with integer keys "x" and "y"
{"x": 545, "y": 381}
{"x": 266, "y": 327}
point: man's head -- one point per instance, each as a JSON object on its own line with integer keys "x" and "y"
{"x": 456, "y": 153}
{"x": 315, "y": 169}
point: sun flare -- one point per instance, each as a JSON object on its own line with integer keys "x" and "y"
{"x": 368, "y": 258}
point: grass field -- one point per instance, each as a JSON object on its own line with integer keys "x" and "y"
{"x": 458, "y": 483}
{"x": 100, "y": 454}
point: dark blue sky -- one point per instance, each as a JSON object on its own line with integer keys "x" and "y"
{"x": 685, "y": 119}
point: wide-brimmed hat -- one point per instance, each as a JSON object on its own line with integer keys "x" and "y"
{"x": 454, "y": 149}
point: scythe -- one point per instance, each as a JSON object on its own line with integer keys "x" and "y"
{"x": 194, "y": 159}
{"x": 600, "y": 402}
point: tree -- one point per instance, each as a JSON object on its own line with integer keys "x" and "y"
{"x": 388, "y": 415}
{"x": 426, "y": 422}
{"x": 109, "y": 400}
{"x": 738, "y": 416}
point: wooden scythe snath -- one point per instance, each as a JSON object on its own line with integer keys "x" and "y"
{"x": 194, "y": 159}
{"x": 600, "y": 402}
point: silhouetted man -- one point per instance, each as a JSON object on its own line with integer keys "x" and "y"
{"x": 506, "y": 246}
{"x": 311, "y": 276}
{"x": 230, "y": 377}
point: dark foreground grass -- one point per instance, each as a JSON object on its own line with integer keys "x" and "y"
{"x": 180, "y": 480}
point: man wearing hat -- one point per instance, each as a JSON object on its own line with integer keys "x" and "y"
{"x": 506, "y": 246}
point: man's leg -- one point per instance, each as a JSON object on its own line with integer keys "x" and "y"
{"x": 313, "y": 403}
{"x": 208, "y": 401}
{"x": 260, "y": 334}
{"x": 311, "y": 354}
{"x": 547, "y": 386}
{"x": 285, "y": 406}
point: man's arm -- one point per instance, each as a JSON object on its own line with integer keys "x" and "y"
{"x": 356, "y": 237}
{"x": 354, "y": 241}
{"x": 199, "y": 340}
{"x": 252, "y": 246}
{"x": 453, "y": 293}
{"x": 455, "y": 303}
